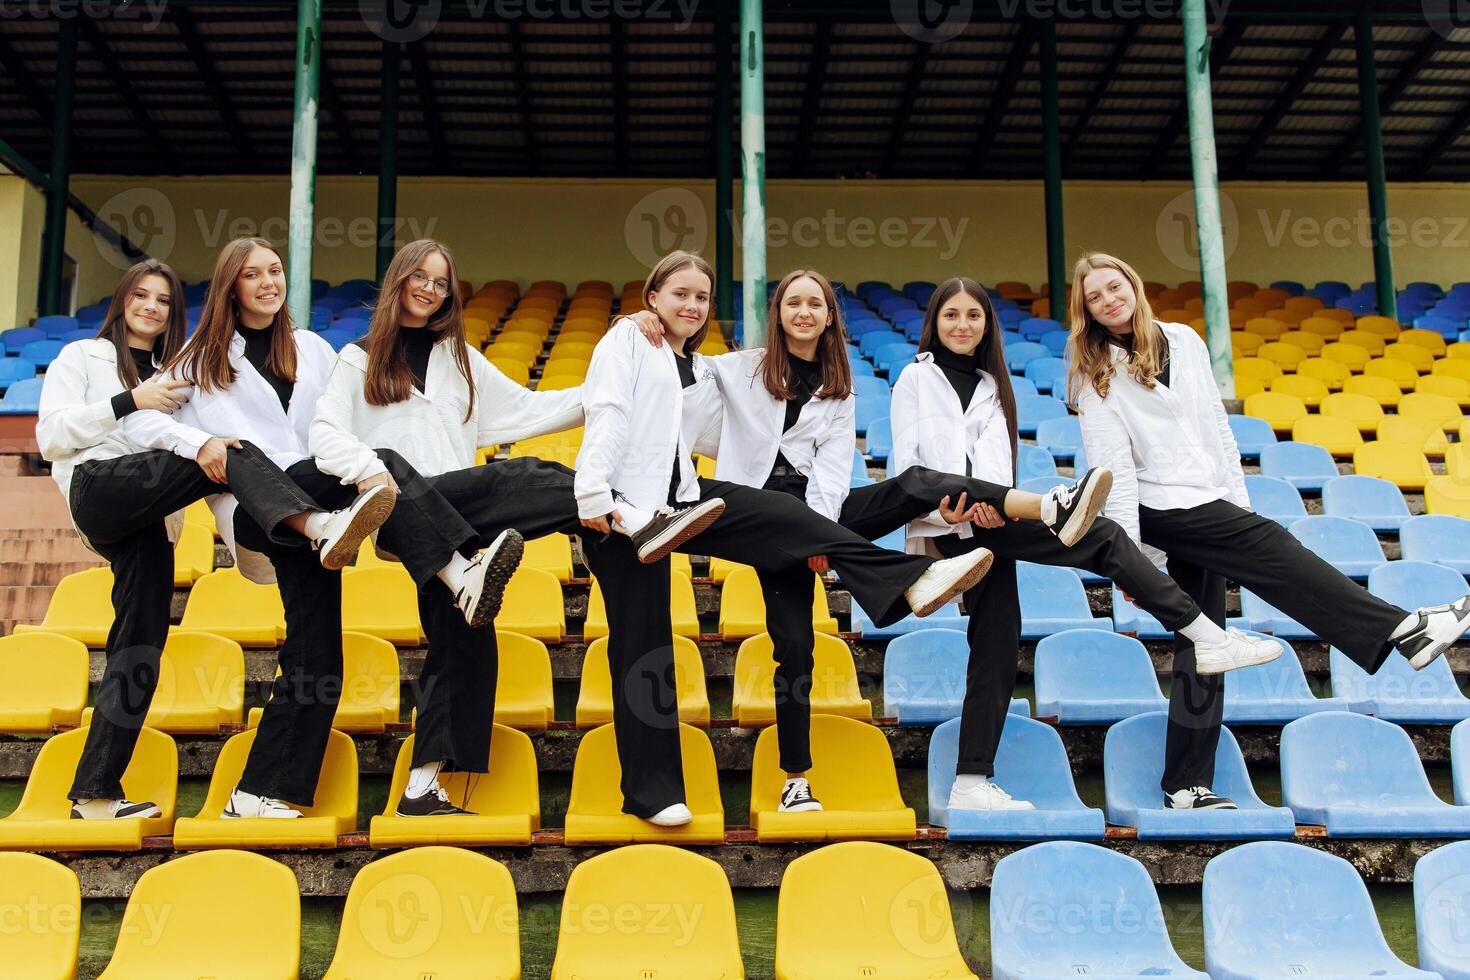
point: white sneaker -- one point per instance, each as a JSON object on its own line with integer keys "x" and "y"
{"x": 120, "y": 809}
{"x": 796, "y": 797}
{"x": 672, "y": 816}
{"x": 245, "y": 805}
{"x": 1068, "y": 511}
{"x": 485, "y": 580}
{"x": 346, "y": 528}
{"x": 1238, "y": 650}
{"x": 985, "y": 795}
{"x": 945, "y": 579}
{"x": 1438, "y": 627}
{"x": 668, "y": 528}
{"x": 1197, "y": 798}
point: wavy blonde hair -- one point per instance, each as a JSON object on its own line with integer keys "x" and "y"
{"x": 1092, "y": 361}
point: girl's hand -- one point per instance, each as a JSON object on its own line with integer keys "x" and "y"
{"x": 601, "y": 524}
{"x": 160, "y": 396}
{"x": 212, "y": 456}
{"x": 988, "y": 516}
{"x": 650, "y": 326}
{"x": 959, "y": 513}
{"x": 819, "y": 564}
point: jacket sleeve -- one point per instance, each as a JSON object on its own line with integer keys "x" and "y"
{"x": 155, "y": 430}
{"x": 1106, "y": 441}
{"x": 1234, "y": 475}
{"x": 505, "y": 412}
{"x": 67, "y": 423}
{"x": 337, "y": 449}
{"x": 831, "y": 477}
{"x": 903, "y": 413}
{"x": 607, "y": 397}
{"x": 992, "y": 460}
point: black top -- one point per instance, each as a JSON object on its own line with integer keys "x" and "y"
{"x": 804, "y": 379}
{"x": 417, "y": 342}
{"x": 1125, "y": 343}
{"x": 685, "y": 363}
{"x": 257, "y": 352}
{"x": 122, "y": 402}
{"x": 961, "y": 370}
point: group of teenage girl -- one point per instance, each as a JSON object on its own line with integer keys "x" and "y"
{"x": 303, "y": 454}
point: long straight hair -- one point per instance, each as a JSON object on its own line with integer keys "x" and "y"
{"x": 389, "y": 379}
{"x": 991, "y": 352}
{"x": 677, "y": 261}
{"x": 831, "y": 345}
{"x": 114, "y": 327}
{"x": 205, "y": 360}
{"x": 1092, "y": 358}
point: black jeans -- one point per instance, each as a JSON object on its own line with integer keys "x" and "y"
{"x": 119, "y": 505}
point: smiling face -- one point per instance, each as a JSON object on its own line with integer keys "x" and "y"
{"x": 145, "y": 311}
{"x": 1110, "y": 300}
{"x": 260, "y": 288}
{"x": 424, "y": 291}
{"x": 682, "y": 302}
{"x": 805, "y": 315}
{"x": 961, "y": 324}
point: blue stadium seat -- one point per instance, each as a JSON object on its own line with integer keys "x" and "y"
{"x": 1060, "y": 436}
{"x": 1022, "y": 386}
{"x": 22, "y": 398}
{"x": 868, "y": 408}
{"x": 1368, "y": 499}
{"x": 1034, "y": 327}
{"x": 1301, "y": 464}
{"x": 1361, "y": 777}
{"x": 1090, "y": 889}
{"x": 1261, "y": 616}
{"x": 871, "y": 388}
{"x": 890, "y": 357}
{"x": 860, "y": 368}
{"x": 13, "y": 369}
{"x": 1275, "y": 498}
{"x": 1442, "y": 910}
{"x": 1251, "y": 435}
{"x": 1133, "y": 764}
{"x": 879, "y": 438}
{"x": 55, "y": 326}
{"x": 869, "y": 342}
{"x": 17, "y": 337}
{"x": 1274, "y": 693}
{"x": 1128, "y": 618}
{"x": 859, "y": 465}
{"x": 1049, "y": 374}
{"x": 1437, "y": 538}
{"x": 1030, "y": 764}
{"x": 41, "y": 352}
{"x": 1053, "y": 600}
{"x": 924, "y": 675}
{"x": 1056, "y": 342}
{"x": 1277, "y": 909}
{"x": 947, "y": 617}
{"x": 1347, "y": 545}
{"x": 1460, "y": 762}
{"x": 1399, "y": 693}
{"x": 1018, "y": 355}
{"x": 1079, "y": 459}
{"x": 1031, "y": 410}
{"x": 1091, "y": 677}
{"x": 1041, "y": 484}
{"x": 1411, "y": 584}
{"x": 1033, "y": 461}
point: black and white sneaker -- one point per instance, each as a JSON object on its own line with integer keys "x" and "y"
{"x": 1438, "y": 627}
{"x": 1197, "y": 798}
{"x": 485, "y": 580}
{"x": 946, "y": 579}
{"x": 796, "y": 797}
{"x": 346, "y": 528}
{"x": 248, "y": 806}
{"x": 100, "y": 809}
{"x": 1068, "y": 511}
{"x": 434, "y": 803}
{"x": 669, "y": 528}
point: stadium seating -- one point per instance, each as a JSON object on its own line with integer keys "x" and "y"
{"x": 1053, "y": 600}
{"x": 532, "y": 605}
{"x": 595, "y": 811}
{"x": 81, "y": 608}
{"x": 1090, "y": 677}
{"x": 743, "y": 606}
{"x": 1397, "y": 692}
{"x": 1442, "y": 910}
{"x": 1251, "y": 434}
{"x": 45, "y": 682}
{"x": 682, "y": 612}
{"x": 1339, "y": 436}
{"x": 230, "y": 605}
{"x": 1275, "y": 498}
{"x": 1448, "y": 495}
{"x": 594, "y": 699}
{"x": 1437, "y": 538}
{"x": 193, "y": 554}
{"x": 1274, "y": 693}
{"x": 1367, "y": 500}
{"x": 1304, "y": 466}
{"x": 1349, "y": 546}
{"x": 1403, "y": 466}
{"x": 370, "y": 686}
{"x": 48, "y": 946}
{"x": 1411, "y": 584}
{"x": 834, "y": 682}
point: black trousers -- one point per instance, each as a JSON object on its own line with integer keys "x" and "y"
{"x": 120, "y": 506}
{"x": 1218, "y": 541}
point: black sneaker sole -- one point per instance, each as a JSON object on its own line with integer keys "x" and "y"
{"x": 801, "y": 808}
{"x": 660, "y": 547}
{"x": 365, "y": 520}
{"x": 502, "y": 566}
{"x": 966, "y": 582}
{"x": 1094, "y": 498}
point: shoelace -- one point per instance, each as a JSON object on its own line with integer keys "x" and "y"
{"x": 798, "y": 790}
{"x": 997, "y": 790}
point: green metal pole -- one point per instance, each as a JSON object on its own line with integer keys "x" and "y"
{"x": 1373, "y": 158}
{"x": 724, "y": 167}
{"x": 753, "y": 169}
{"x": 303, "y": 157}
{"x": 1205, "y": 169}
{"x": 1051, "y": 150}
{"x": 387, "y": 155}
{"x": 53, "y": 238}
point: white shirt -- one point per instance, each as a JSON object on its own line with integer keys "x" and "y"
{"x": 1169, "y": 447}
{"x": 634, "y": 435}
{"x": 930, "y": 429}
{"x": 429, "y": 429}
{"x": 819, "y": 444}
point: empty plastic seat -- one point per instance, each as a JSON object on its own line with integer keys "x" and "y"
{"x": 1366, "y": 339}
{"x": 48, "y": 947}
{"x": 1284, "y": 355}
{"x": 1349, "y": 355}
{"x": 834, "y": 688}
{"x": 1274, "y": 693}
{"x": 1437, "y": 408}
{"x": 1411, "y": 584}
{"x": 836, "y": 916}
{"x": 1404, "y": 466}
{"x": 594, "y": 699}
{"x": 333, "y": 812}
{"x": 1062, "y": 436}
{"x": 879, "y": 439}
{"x": 1031, "y": 410}
{"x": 1348, "y": 545}
{"x": 1052, "y": 600}
{"x": 231, "y": 916}
{"x": 1090, "y": 676}
{"x": 1418, "y": 358}
{"x": 42, "y": 820}
{"x": 1448, "y": 495}
{"x": 382, "y": 602}
{"x": 1275, "y": 498}
{"x": 1385, "y": 392}
{"x": 1455, "y": 388}
{"x": 595, "y": 810}
{"x": 370, "y": 686}
{"x": 1437, "y": 538}
{"x": 924, "y": 676}
{"x": 1368, "y": 500}
{"x": 1312, "y": 391}
{"x": 1279, "y": 410}
{"x": 743, "y": 606}
{"x": 1030, "y": 764}
{"x": 1425, "y": 435}
{"x": 1360, "y": 410}
{"x": 1251, "y": 434}
{"x": 1339, "y": 436}
{"x": 1399, "y": 693}
{"x": 201, "y": 684}
{"x": 45, "y": 682}
{"x": 193, "y": 554}
{"x": 550, "y": 553}
{"x": 1331, "y": 373}
{"x": 949, "y": 616}
{"x": 1304, "y": 466}
{"x": 81, "y": 608}
{"x": 682, "y": 612}
{"x": 23, "y": 397}
{"x": 232, "y": 606}
{"x": 1035, "y": 930}
{"x": 532, "y": 605}
{"x": 852, "y": 773}
{"x": 1033, "y": 461}
{"x": 505, "y": 801}
{"x": 1361, "y": 777}
{"x": 1442, "y": 910}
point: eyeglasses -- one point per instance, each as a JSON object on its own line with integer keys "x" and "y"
{"x": 419, "y": 280}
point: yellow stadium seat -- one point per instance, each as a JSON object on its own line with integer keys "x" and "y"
{"x": 370, "y": 686}
{"x": 333, "y": 812}
{"x": 1285, "y": 316}
{"x": 1421, "y": 360}
{"x": 45, "y": 682}
{"x": 594, "y": 698}
{"x": 558, "y": 383}
{"x": 837, "y": 918}
{"x": 1382, "y": 390}
{"x": 1400, "y": 372}
{"x": 193, "y": 554}
{"x": 570, "y": 350}
{"x": 232, "y": 916}
{"x": 462, "y": 921}
{"x": 201, "y": 685}
{"x": 1311, "y": 343}
{"x": 704, "y": 467}
{"x": 569, "y": 368}
{"x": 743, "y": 607}
{"x": 834, "y": 687}
{"x": 1426, "y": 435}
{"x": 553, "y": 451}
{"x": 852, "y": 773}
{"x": 1257, "y": 367}
{"x": 1430, "y": 340}
{"x": 523, "y": 338}
{"x": 1322, "y": 326}
{"x": 1310, "y": 390}
{"x": 1448, "y": 495}
{"x": 1371, "y": 342}
{"x": 1457, "y": 460}
{"x": 1457, "y": 389}
{"x": 1281, "y": 411}
{"x": 47, "y": 946}
{"x": 595, "y": 810}
{"x": 1437, "y": 408}
{"x": 1351, "y": 356}
{"x": 1245, "y": 387}
{"x": 368, "y": 555}
{"x": 550, "y": 553}
{"x": 682, "y": 611}
{"x": 1244, "y": 344}
{"x": 1330, "y": 373}
{"x": 1266, "y": 326}
{"x": 681, "y": 565}
{"x": 514, "y": 370}
{"x": 199, "y": 513}
{"x": 42, "y": 820}
{"x": 505, "y": 801}
{"x": 382, "y": 602}
{"x": 81, "y": 608}
{"x": 523, "y": 693}
{"x": 1250, "y": 305}
{"x": 1302, "y": 304}
{"x": 533, "y": 605}
{"x": 713, "y": 344}
{"x": 1403, "y": 466}
{"x": 1283, "y": 355}
{"x": 1338, "y": 435}
{"x": 520, "y": 354}
{"x": 227, "y": 603}
{"x": 1361, "y": 410}
{"x": 1460, "y": 350}
{"x": 1451, "y": 367}
{"x": 720, "y": 569}
{"x": 1383, "y": 326}
{"x": 1345, "y": 317}
{"x": 675, "y": 918}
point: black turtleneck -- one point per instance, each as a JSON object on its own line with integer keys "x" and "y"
{"x": 1125, "y": 343}
{"x": 417, "y": 343}
{"x": 961, "y": 370}
{"x": 122, "y": 402}
{"x": 685, "y": 364}
{"x": 258, "y": 352}
{"x": 804, "y": 378}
